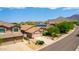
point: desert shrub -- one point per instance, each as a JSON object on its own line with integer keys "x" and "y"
{"x": 76, "y": 22}
{"x": 46, "y": 33}
{"x": 39, "y": 42}
{"x": 53, "y": 29}
{"x": 55, "y": 35}
{"x": 65, "y": 26}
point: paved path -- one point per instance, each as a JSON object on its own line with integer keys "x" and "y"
{"x": 68, "y": 43}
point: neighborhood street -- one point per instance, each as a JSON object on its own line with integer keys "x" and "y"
{"x": 68, "y": 43}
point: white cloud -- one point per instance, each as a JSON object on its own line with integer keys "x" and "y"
{"x": 16, "y": 7}
{"x": 69, "y": 8}
{"x": 32, "y": 7}
{"x": 52, "y": 7}
{"x": 47, "y": 7}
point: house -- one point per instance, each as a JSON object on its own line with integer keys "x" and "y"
{"x": 31, "y": 31}
{"x": 10, "y": 32}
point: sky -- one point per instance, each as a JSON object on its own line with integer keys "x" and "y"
{"x": 22, "y": 14}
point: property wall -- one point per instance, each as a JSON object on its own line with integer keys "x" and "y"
{"x": 12, "y": 40}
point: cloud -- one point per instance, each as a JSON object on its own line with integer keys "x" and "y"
{"x": 47, "y": 7}
{"x": 16, "y": 7}
{"x": 52, "y": 7}
{"x": 69, "y": 8}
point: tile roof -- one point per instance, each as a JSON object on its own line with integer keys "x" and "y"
{"x": 26, "y": 27}
{"x": 33, "y": 29}
{"x": 6, "y": 24}
{"x": 29, "y": 28}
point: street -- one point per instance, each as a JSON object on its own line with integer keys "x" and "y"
{"x": 68, "y": 43}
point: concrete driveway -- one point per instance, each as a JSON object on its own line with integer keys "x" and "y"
{"x": 20, "y": 46}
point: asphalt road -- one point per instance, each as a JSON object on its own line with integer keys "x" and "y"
{"x": 68, "y": 43}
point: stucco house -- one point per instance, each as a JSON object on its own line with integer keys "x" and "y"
{"x": 31, "y": 31}
{"x": 10, "y": 32}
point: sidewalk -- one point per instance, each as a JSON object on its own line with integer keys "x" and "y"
{"x": 77, "y": 49}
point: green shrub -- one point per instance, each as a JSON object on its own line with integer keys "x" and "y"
{"x": 55, "y": 35}
{"x": 39, "y": 42}
{"x": 46, "y": 33}
{"x": 53, "y": 29}
{"x": 76, "y": 22}
{"x": 65, "y": 26}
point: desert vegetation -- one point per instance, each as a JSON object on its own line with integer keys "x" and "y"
{"x": 57, "y": 29}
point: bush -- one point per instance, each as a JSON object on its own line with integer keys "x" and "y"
{"x": 76, "y": 22}
{"x": 39, "y": 42}
{"x": 60, "y": 28}
{"x": 46, "y": 33}
{"x": 53, "y": 29}
{"x": 65, "y": 26}
{"x": 55, "y": 35}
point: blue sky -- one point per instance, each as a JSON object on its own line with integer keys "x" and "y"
{"x": 14, "y": 14}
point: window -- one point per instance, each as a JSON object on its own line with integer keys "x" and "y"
{"x": 2, "y": 30}
{"x": 15, "y": 29}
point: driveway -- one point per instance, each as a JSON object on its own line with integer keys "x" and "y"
{"x": 20, "y": 46}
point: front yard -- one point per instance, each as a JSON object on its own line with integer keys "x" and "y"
{"x": 19, "y": 46}
{"x": 31, "y": 46}
{"x": 48, "y": 40}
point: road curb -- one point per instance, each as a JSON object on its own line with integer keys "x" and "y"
{"x": 58, "y": 39}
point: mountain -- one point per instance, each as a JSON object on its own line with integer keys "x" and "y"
{"x": 74, "y": 17}
{"x": 57, "y": 20}
{"x": 60, "y": 19}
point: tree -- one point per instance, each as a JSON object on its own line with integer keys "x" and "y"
{"x": 53, "y": 30}
{"x": 60, "y": 28}
{"x": 64, "y": 27}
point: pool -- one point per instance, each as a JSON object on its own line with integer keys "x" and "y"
{"x": 41, "y": 25}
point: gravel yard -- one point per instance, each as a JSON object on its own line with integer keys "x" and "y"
{"x": 20, "y": 46}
